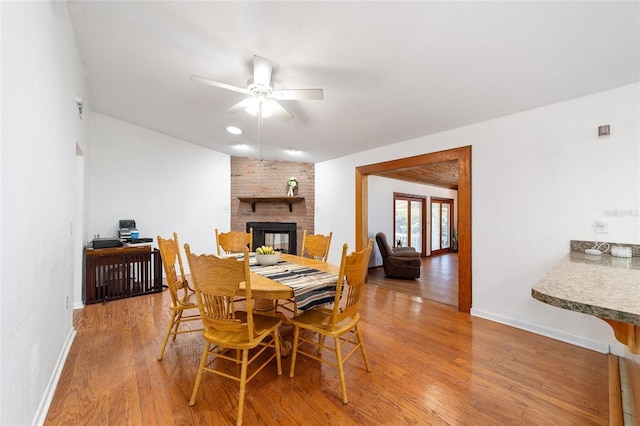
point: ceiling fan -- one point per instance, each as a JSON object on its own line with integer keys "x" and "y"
{"x": 263, "y": 94}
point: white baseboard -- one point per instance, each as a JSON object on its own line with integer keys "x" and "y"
{"x": 45, "y": 403}
{"x": 602, "y": 347}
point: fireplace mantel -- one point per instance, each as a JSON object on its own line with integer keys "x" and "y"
{"x": 270, "y": 199}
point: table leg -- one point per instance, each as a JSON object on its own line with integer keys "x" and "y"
{"x": 263, "y": 306}
{"x": 266, "y": 307}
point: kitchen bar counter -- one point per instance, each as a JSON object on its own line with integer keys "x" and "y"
{"x": 604, "y": 286}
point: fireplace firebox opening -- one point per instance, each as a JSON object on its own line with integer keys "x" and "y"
{"x": 281, "y": 236}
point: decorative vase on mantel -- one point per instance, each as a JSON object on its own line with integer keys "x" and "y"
{"x": 292, "y": 184}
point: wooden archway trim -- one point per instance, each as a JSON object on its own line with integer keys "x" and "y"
{"x": 463, "y": 156}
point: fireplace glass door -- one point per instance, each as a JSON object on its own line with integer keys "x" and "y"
{"x": 279, "y": 241}
{"x": 279, "y": 235}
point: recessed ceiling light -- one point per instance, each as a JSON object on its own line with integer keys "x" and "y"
{"x": 234, "y": 130}
{"x": 240, "y": 146}
{"x": 293, "y": 151}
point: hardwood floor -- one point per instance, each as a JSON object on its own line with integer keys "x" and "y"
{"x": 438, "y": 280}
{"x": 431, "y": 365}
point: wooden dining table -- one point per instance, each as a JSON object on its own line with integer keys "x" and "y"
{"x": 266, "y": 291}
{"x": 266, "y": 288}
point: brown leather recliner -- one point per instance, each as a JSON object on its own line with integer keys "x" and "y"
{"x": 399, "y": 262}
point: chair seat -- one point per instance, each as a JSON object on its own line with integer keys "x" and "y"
{"x": 406, "y": 261}
{"x": 263, "y": 325}
{"x": 405, "y": 254}
{"x": 319, "y": 320}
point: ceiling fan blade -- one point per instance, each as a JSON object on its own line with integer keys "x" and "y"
{"x": 203, "y": 80}
{"x": 279, "y": 110}
{"x": 262, "y": 69}
{"x": 285, "y": 94}
{"x": 240, "y": 105}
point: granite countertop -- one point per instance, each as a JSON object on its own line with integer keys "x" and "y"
{"x": 604, "y": 286}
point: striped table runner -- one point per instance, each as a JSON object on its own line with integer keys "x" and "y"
{"x": 310, "y": 286}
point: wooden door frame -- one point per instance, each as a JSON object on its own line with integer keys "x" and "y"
{"x": 463, "y": 156}
{"x": 451, "y": 224}
{"x": 423, "y": 219}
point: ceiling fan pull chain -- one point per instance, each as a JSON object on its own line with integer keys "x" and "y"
{"x": 260, "y": 126}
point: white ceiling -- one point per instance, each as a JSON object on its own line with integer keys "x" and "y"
{"x": 391, "y": 71}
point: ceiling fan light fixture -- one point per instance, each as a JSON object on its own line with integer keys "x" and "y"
{"x": 234, "y": 130}
{"x": 258, "y": 89}
{"x": 267, "y": 107}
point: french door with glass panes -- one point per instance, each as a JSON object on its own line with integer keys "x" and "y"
{"x": 441, "y": 225}
{"x": 409, "y": 219}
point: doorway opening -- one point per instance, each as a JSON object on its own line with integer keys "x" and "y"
{"x": 462, "y": 156}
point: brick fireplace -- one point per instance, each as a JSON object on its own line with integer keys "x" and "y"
{"x": 267, "y": 178}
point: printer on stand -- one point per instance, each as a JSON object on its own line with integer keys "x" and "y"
{"x": 127, "y": 230}
{"x": 129, "y": 233}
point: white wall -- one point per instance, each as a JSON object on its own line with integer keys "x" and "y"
{"x": 539, "y": 179}
{"x": 163, "y": 183}
{"x": 380, "y": 197}
{"x": 41, "y": 74}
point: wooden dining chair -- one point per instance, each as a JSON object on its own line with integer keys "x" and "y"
{"x": 316, "y": 246}
{"x": 184, "y": 305}
{"x": 340, "y": 322}
{"x": 217, "y": 283}
{"x": 233, "y": 241}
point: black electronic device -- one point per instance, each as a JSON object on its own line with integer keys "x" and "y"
{"x": 99, "y": 243}
{"x": 141, "y": 240}
{"x": 127, "y": 223}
